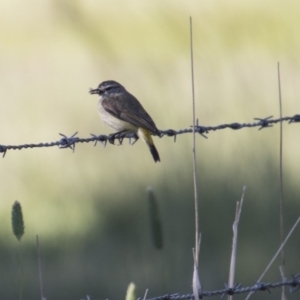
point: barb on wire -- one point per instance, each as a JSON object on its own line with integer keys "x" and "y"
{"x": 264, "y": 122}
{"x": 70, "y": 142}
{"x": 293, "y": 284}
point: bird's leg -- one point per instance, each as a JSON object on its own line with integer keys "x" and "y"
{"x": 113, "y": 136}
{"x": 136, "y": 137}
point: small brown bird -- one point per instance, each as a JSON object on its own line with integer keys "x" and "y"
{"x": 123, "y": 112}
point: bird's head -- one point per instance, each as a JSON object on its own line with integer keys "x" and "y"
{"x": 107, "y": 87}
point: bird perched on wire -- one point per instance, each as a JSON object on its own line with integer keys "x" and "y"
{"x": 123, "y": 112}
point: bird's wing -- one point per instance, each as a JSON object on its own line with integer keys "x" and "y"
{"x": 129, "y": 110}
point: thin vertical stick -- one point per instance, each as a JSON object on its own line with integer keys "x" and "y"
{"x": 145, "y": 295}
{"x": 235, "y": 227}
{"x": 276, "y": 254}
{"x": 282, "y": 267}
{"x": 39, "y": 267}
{"x": 196, "y": 281}
{"x": 194, "y": 148}
{"x": 21, "y": 271}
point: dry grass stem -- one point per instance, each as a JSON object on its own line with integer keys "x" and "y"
{"x": 40, "y": 267}
{"x": 196, "y": 281}
{"x": 283, "y": 295}
{"x": 145, "y": 296}
{"x": 235, "y": 226}
{"x": 130, "y": 294}
{"x": 276, "y": 254}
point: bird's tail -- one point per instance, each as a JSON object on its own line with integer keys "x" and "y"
{"x": 145, "y": 135}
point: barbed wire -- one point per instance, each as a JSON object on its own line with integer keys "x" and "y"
{"x": 293, "y": 284}
{"x": 70, "y": 142}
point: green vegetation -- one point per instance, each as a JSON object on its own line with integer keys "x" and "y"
{"x": 89, "y": 207}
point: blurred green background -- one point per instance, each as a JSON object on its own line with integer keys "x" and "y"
{"x": 90, "y": 207}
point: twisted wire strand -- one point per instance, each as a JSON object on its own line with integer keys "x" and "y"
{"x": 70, "y": 142}
{"x": 293, "y": 284}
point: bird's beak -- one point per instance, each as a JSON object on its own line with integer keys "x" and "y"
{"x": 94, "y": 91}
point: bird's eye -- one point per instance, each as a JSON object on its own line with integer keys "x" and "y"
{"x": 108, "y": 88}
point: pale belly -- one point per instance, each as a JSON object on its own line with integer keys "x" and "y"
{"x": 113, "y": 122}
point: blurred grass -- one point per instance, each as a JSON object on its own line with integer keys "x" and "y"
{"x": 88, "y": 205}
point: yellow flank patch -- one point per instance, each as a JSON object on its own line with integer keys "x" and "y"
{"x": 145, "y": 135}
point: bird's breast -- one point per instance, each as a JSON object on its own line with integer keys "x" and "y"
{"x": 113, "y": 122}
